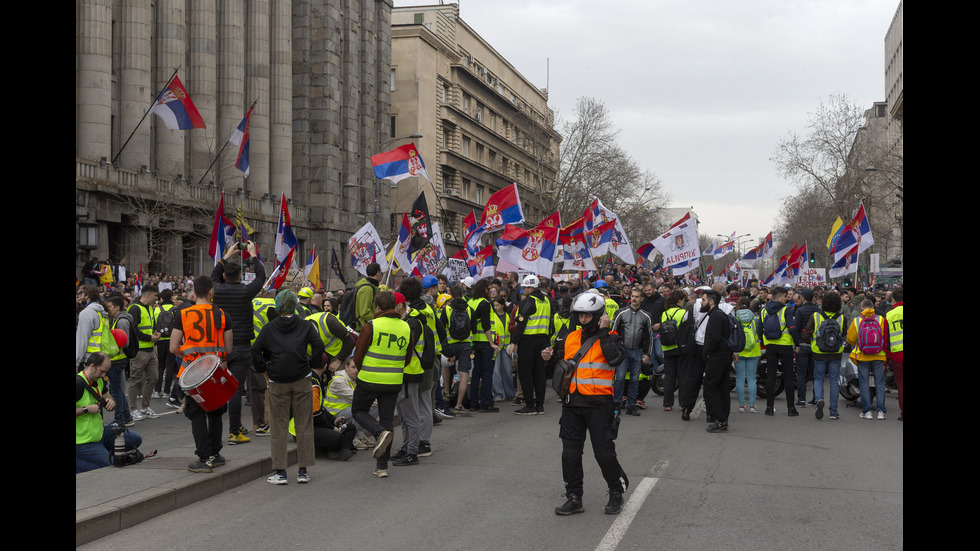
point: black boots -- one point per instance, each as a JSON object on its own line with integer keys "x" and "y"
{"x": 615, "y": 504}
{"x": 574, "y": 505}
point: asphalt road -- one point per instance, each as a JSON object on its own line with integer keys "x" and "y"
{"x": 494, "y": 480}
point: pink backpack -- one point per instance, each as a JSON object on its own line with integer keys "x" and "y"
{"x": 871, "y": 341}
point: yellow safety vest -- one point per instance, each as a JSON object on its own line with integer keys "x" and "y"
{"x": 331, "y": 343}
{"x": 676, "y": 314}
{"x": 537, "y": 324}
{"x": 384, "y": 362}
{"x": 479, "y": 333}
{"x": 785, "y": 338}
{"x": 818, "y": 319}
{"x": 894, "y": 318}
{"x": 147, "y": 321}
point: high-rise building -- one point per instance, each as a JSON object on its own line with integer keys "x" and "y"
{"x": 317, "y": 73}
{"x": 484, "y": 125}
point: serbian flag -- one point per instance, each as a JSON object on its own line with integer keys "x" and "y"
{"x": 503, "y": 207}
{"x": 399, "y": 163}
{"x": 222, "y": 231}
{"x": 685, "y": 266}
{"x": 762, "y": 252}
{"x": 722, "y": 250}
{"x": 473, "y": 234}
{"x": 847, "y": 264}
{"x": 532, "y": 250}
{"x": 577, "y": 257}
{"x": 176, "y": 109}
{"x": 285, "y": 239}
{"x": 797, "y": 259}
{"x": 647, "y": 252}
{"x": 573, "y": 232}
{"x": 240, "y": 138}
{"x": 278, "y": 276}
{"x": 553, "y": 221}
{"x": 597, "y": 214}
{"x": 856, "y": 234}
{"x": 481, "y": 265}
{"x": 600, "y": 238}
{"x": 402, "y": 249}
{"x": 709, "y": 273}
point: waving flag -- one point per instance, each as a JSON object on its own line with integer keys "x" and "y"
{"x": 709, "y": 273}
{"x": 647, "y": 252}
{"x": 481, "y": 265}
{"x": 553, "y": 221}
{"x": 847, "y": 264}
{"x": 532, "y": 250}
{"x": 762, "y": 252}
{"x": 857, "y": 234}
{"x": 285, "y": 239}
{"x": 312, "y": 269}
{"x": 335, "y": 265}
{"x": 176, "y": 109}
{"x": 222, "y": 233}
{"x": 576, "y": 256}
{"x": 240, "y": 138}
{"x": 431, "y": 259}
{"x": 797, "y": 259}
{"x": 279, "y": 275}
{"x": 834, "y": 233}
{"x": 399, "y": 163}
{"x": 400, "y": 252}
{"x": 679, "y": 244}
{"x": 684, "y": 267}
{"x": 723, "y": 250}
{"x": 573, "y": 232}
{"x": 421, "y": 225}
{"x": 600, "y": 237}
{"x": 365, "y": 247}
{"x": 596, "y": 214}
{"x": 503, "y": 207}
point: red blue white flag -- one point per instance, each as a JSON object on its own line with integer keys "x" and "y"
{"x": 857, "y": 235}
{"x": 176, "y": 109}
{"x": 532, "y": 250}
{"x": 285, "y": 239}
{"x": 399, "y": 163}
{"x": 241, "y": 138}
{"x": 481, "y": 265}
{"x": 722, "y": 250}
{"x": 502, "y": 208}
{"x": 222, "y": 232}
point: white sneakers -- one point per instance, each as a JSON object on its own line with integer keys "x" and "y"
{"x": 871, "y": 415}
{"x": 881, "y": 415}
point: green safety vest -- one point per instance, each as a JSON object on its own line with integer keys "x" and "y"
{"x": 384, "y": 362}
{"x": 430, "y": 320}
{"x": 894, "y": 318}
{"x": 479, "y": 333}
{"x": 676, "y": 314}
{"x": 786, "y": 338}
{"x": 334, "y": 403}
{"x": 756, "y": 349}
{"x": 611, "y": 307}
{"x": 147, "y": 321}
{"x": 538, "y": 323}
{"x": 560, "y": 323}
{"x": 95, "y": 339}
{"x": 414, "y": 366}
{"x": 88, "y": 427}
{"x": 331, "y": 343}
{"x": 260, "y": 314}
{"x": 449, "y": 319}
{"x": 500, "y": 327}
{"x": 818, "y": 319}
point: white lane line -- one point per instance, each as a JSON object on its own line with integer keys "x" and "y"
{"x": 622, "y": 523}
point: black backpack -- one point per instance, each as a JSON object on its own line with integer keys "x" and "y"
{"x": 828, "y": 335}
{"x": 772, "y": 328}
{"x": 348, "y": 306}
{"x": 459, "y": 323}
{"x": 165, "y": 322}
{"x": 736, "y": 336}
{"x": 133, "y": 346}
{"x": 668, "y": 332}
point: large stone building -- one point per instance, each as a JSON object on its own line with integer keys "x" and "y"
{"x": 317, "y": 72}
{"x": 483, "y": 125}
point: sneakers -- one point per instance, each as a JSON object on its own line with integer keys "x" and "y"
{"x": 238, "y": 438}
{"x": 633, "y": 411}
{"x": 425, "y": 449}
{"x": 304, "y": 477}
{"x": 741, "y": 409}
{"x": 130, "y": 422}
{"x": 262, "y": 430}
{"x": 278, "y": 479}
{"x": 407, "y": 460}
{"x": 819, "y": 413}
{"x": 793, "y": 412}
{"x": 881, "y": 415}
{"x": 527, "y": 410}
{"x": 834, "y": 417}
{"x": 867, "y": 415}
{"x": 171, "y": 403}
{"x": 381, "y": 473}
{"x": 518, "y": 401}
{"x": 753, "y": 409}
{"x": 384, "y": 442}
{"x": 400, "y": 454}
{"x": 148, "y": 413}
{"x": 363, "y": 443}
{"x": 641, "y": 404}
{"x": 717, "y": 426}
{"x": 216, "y": 461}
{"x": 615, "y": 504}
{"x": 572, "y": 505}
{"x": 199, "y": 467}
{"x": 445, "y": 414}
{"x": 770, "y": 411}
{"x": 539, "y": 410}
{"x": 156, "y": 395}
{"x": 801, "y": 403}
{"x": 136, "y": 415}
{"x": 457, "y": 411}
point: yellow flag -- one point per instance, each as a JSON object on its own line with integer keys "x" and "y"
{"x": 834, "y": 232}
{"x": 314, "y": 274}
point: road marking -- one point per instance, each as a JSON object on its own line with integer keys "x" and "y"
{"x": 622, "y": 523}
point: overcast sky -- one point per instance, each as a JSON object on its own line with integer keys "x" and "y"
{"x": 702, "y": 90}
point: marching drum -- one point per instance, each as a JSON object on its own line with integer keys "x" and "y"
{"x": 208, "y": 382}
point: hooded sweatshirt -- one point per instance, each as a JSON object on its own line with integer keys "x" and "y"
{"x": 88, "y": 323}
{"x": 281, "y": 349}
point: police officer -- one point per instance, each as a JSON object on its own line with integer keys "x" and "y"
{"x": 589, "y": 405}
{"x": 532, "y": 334}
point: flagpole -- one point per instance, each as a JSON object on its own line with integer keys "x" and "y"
{"x": 133, "y": 133}
{"x": 220, "y": 151}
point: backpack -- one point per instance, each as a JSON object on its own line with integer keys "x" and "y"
{"x": 686, "y": 332}
{"x": 668, "y": 332}
{"x": 828, "y": 335}
{"x": 459, "y": 323}
{"x": 133, "y": 346}
{"x": 870, "y": 338}
{"x": 165, "y": 321}
{"x": 772, "y": 327}
{"x": 428, "y": 357}
{"x": 750, "y": 334}
{"x": 348, "y": 305}
{"x": 735, "y": 341}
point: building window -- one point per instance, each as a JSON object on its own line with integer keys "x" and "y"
{"x": 419, "y": 18}
{"x": 479, "y": 112}
{"x": 492, "y": 162}
{"x": 391, "y": 131}
{"x": 479, "y": 153}
{"x": 466, "y": 103}
{"x": 466, "y": 147}
{"x": 393, "y": 79}
{"x": 447, "y": 137}
{"x": 466, "y": 188}
{"x": 479, "y": 194}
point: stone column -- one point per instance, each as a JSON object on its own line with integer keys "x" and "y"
{"x": 232, "y": 103}
{"x": 170, "y": 53}
{"x": 93, "y": 79}
{"x": 281, "y": 99}
{"x": 257, "y": 86}
{"x": 202, "y": 85}
{"x": 136, "y": 93}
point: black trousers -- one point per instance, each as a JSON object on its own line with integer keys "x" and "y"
{"x": 531, "y": 369}
{"x": 690, "y": 370}
{"x": 360, "y": 406}
{"x": 206, "y": 427}
{"x": 575, "y": 421}
{"x": 670, "y": 377}
{"x": 780, "y": 354}
{"x": 717, "y": 397}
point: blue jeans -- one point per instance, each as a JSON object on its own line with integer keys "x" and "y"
{"x": 503, "y": 376}
{"x": 117, "y": 389}
{"x": 745, "y": 370}
{"x": 632, "y": 363}
{"x": 95, "y": 455}
{"x": 864, "y": 372}
{"x": 829, "y": 368}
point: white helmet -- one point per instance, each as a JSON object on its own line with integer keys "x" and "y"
{"x": 530, "y": 281}
{"x": 589, "y": 303}
{"x": 469, "y": 281}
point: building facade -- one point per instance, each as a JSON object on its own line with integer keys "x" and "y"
{"x": 316, "y": 72}
{"x": 484, "y": 126}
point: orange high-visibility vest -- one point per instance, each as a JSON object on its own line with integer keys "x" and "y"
{"x": 594, "y": 376}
